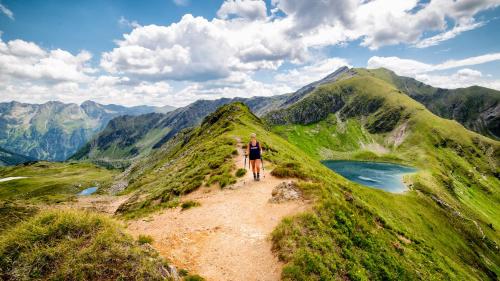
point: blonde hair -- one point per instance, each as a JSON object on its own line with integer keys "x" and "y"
{"x": 253, "y": 135}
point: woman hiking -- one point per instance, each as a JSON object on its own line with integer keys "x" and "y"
{"x": 254, "y": 151}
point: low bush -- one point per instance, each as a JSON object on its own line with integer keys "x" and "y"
{"x": 241, "y": 172}
{"x": 189, "y": 204}
{"x": 193, "y": 278}
{"x": 144, "y": 239}
{"x": 289, "y": 170}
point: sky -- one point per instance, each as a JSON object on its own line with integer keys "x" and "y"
{"x": 173, "y": 52}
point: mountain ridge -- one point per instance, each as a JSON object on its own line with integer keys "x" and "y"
{"x": 352, "y": 230}
{"x": 192, "y": 114}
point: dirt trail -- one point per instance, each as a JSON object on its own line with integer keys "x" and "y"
{"x": 227, "y": 237}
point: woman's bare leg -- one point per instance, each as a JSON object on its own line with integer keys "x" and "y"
{"x": 257, "y": 166}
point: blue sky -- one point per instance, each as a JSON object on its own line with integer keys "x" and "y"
{"x": 174, "y": 52}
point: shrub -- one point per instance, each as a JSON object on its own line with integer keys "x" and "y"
{"x": 144, "y": 239}
{"x": 289, "y": 170}
{"x": 193, "y": 278}
{"x": 241, "y": 172}
{"x": 189, "y": 204}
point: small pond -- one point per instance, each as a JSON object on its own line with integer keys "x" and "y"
{"x": 386, "y": 176}
{"x": 88, "y": 191}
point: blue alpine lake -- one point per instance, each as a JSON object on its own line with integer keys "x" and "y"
{"x": 386, "y": 176}
{"x": 88, "y": 191}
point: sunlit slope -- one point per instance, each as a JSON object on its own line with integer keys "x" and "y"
{"x": 353, "y": 232}
{"x": 46, "y": 182}
{"x": 70, "y": 245}
{"x": 477, "y": 108}
{"x": 369, "y": 119}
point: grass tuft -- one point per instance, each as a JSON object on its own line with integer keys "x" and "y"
{"x": 75, "y": 245}
{"x": 289, "y": 170}
{"x": 241, "y": 172}
{"x": 189, "y": 204}
{"x": 144, "y": 239}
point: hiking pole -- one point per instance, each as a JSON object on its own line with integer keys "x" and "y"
{"x": 245, "y": 166}
{"x": 262, "y": 162}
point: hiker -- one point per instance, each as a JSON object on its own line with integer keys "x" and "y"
{"x": 254, "y": 151}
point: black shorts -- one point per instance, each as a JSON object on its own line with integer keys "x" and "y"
{"x": 254, "y": 157}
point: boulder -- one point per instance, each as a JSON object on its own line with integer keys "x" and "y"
{"x": 285, "y": 191}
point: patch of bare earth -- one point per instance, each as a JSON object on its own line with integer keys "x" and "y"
{"x": 100, "y": 203}
{"x": 227, "y": 236}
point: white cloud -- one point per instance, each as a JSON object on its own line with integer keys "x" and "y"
{"x": 211, "y": 58}
{"x": 29, "y": 73}
{"x": 460, "y": 79}
{"x": 447, "y": 35}
{"x": 301, "y": 76}
{"x": 198, "y": 50}
{"x": 123, "y": 22}
{"x": 409, "y": 67}
{"x": 21, "y": 60}
{"x": 6, "y": 11}
{"x": 102, "y": 90}
{"x": 244, "y": 39}
{"x": 236, "y": 85}
{"x": 181, "y": 2}
{"x": 308, "y": 15}
{"x": 433, "y": 75}
{"x": 249, "y": 9}
{"x": 382, "y": 22}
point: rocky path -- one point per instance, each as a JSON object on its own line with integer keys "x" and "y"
{"x": 227, "y": 237}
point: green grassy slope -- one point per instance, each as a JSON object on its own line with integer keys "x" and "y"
{"x": 47, "y": 182}
{"x": 70, "y": 245}
{"x": 353, "y": 232}
{"x": 455, "y": 195}
{"x": 123, "y": 139}
{"x": 477, "y": 108}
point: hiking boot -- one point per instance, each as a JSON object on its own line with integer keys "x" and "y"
{"x": 258, "y": 177}
{"x": 254, "y": 176}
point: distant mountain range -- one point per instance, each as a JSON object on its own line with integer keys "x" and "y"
{"x": 55, "y": 130}
{"x": 128, "y": 138}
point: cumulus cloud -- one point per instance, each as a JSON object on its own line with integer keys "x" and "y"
{"x": 198, "y": 50}
{"x": 210, "y": 58}
{"x": 409, "y": 67}
{"x": 23, "y": 60}
{"x": 32, "y": 74}
{"x": 465, "y": 77}
{"x": 236, "y": 85}
{"x": 249, "y": 9}
{"x": 383, "y": 22}
{"x": 301, "y": 76}
{"x": 6, "y": 11}
{"x": 152, "y": 93}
